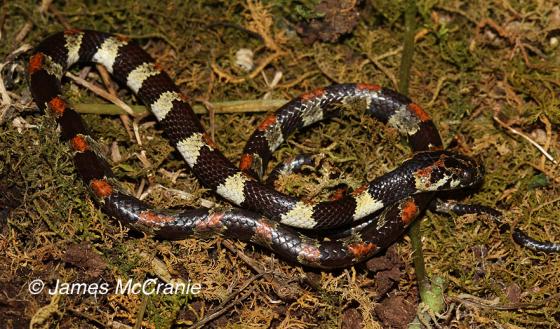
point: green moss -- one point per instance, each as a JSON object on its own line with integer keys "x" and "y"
{"x": 464, "y": 73}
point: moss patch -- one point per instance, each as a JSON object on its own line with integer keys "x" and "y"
{"x": 474, "y": 63}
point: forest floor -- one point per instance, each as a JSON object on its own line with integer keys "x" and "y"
{"x": 488, "y": 72}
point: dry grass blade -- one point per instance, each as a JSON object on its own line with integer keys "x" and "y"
{"x": 527, "y": 138}
{"x": 102, "y": 93}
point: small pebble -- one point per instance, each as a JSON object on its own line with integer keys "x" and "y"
{"x": 244, "y": 59}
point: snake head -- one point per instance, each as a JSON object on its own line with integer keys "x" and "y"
{"x": 444, "y": 170}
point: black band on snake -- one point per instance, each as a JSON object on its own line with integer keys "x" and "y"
{"x": 387, "y": 204}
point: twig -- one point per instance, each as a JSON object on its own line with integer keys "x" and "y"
{"x": 152, "y": 36}
{"x": 59, "y": 17}
{"x": 232, "y": 79}
{"x": 500, "y": 30}
{"x": 250, "y": 261}
{"x": 45, "y": 5}
{"x": 471, "y": 300}
{"x": 24, "y": 31}
{"x": 124, "y": 117}
{"x": 20, "y": 50}
{"x": 29, "y": 24}
{"x": 389, "y": 53}
{"x": 237, "y": 27}
{"x": 545, "y": 204}
{"x": 6, "y": 100}
{"x": 517, "y": 132}
{"x": 212, "y": 115}
{"x": 439, "y": 86}
{"x": 282, "y": 289}
{"x": 86, "y": 316}
{"x": 385, "y": 71}
{"x": 102, "y": 93}
{"x": 377, "y": 62}
{"x": 258, "y": 105}
{"x": 135, "y": 128}
{"x": 548, "y": 127}
{"x": 222, "y": 308}
{"x": 297, "y": 81}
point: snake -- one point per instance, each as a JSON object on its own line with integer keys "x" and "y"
{"x": 371, "y": 217}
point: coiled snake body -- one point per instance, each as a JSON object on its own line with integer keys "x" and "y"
{"x": 265, "y": 215}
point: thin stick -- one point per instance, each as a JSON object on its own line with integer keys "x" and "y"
{"x": 281, "y": 286}
{"x": 548, "y": 128}
{"x": 517, "y": 132}
{"x": 226, "y": 304}
{"x": 439, "y": 86}
{"x": 124, "y": 117}
{"x": 377, "y": 62}
{"x": 385, "y": 71}
{"x": 232, "y": 79}
{"x": 539, "y": 207}
{"x": 389, "y": 53}
{"x": 6, "y": 100}
{"x": 59, "y": 16}
{"x": 100, "y": 92}
{"x": 245, "y": 106}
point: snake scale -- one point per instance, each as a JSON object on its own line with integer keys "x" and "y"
{"x": 379, "y": 211}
